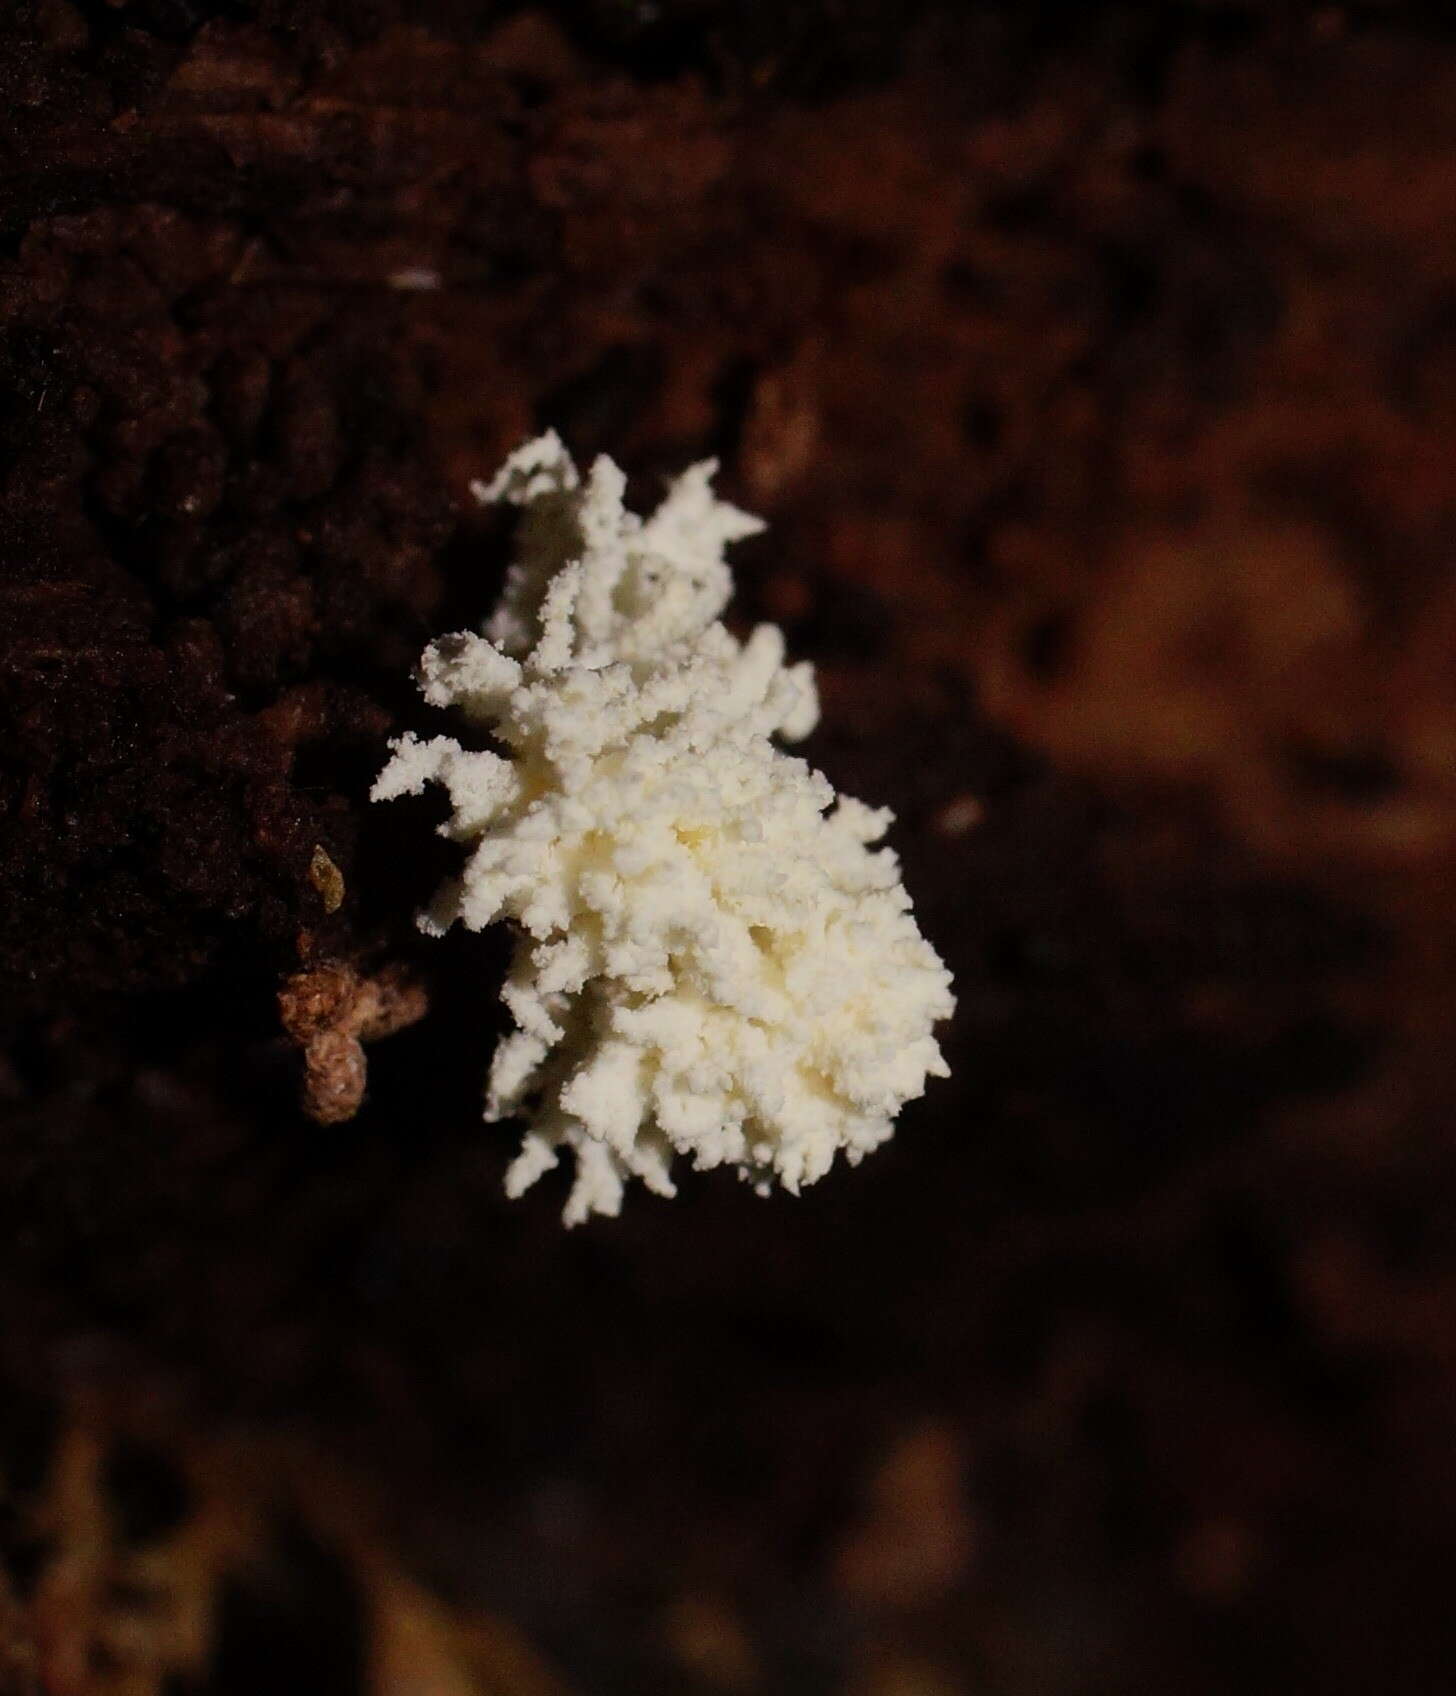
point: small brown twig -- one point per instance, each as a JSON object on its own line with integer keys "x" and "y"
{"x": 331, "y": 1012}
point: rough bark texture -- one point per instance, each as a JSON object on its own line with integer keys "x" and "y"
{"x": 1097, "y": 373}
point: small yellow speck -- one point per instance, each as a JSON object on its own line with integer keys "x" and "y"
{"x": 327, "y": 879}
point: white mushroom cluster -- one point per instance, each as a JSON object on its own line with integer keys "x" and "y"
{"x": 712, "y": 961}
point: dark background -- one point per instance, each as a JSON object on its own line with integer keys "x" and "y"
{"x": 1095, "y": 368}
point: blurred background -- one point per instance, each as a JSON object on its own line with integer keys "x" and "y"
{"x": 1095, "y": 370}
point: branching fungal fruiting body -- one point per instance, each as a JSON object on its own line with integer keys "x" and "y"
{"x": 712, "y": 960}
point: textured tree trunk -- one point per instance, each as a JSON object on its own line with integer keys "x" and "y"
{"x": 1095, "y": 375}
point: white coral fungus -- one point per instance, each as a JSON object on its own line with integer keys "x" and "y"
{"x": 709, "y": 961}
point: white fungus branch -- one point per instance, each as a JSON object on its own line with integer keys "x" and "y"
{"x": 711, "y": 959}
